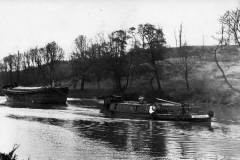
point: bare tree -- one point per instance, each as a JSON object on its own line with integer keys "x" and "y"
{"x": 27, "y": 59}
{"x": 3, "y": 71}
{"x": 229, "y": 34}
{"x": 18, "y": 59}
{"x": 33, "y": 54}
{"x": 176, "y": 40}
{"x": 79, "y": 59}
{"x": 8, "y": 61}
{"x": 3, "y": 67}
{"x": 184, "y": 54}
{"x": 231, "y": 26}
{"x": 23, "y": 62}
{"x": 53, "y": 54}
{"x": 118, "y": 57}
{"x": 186, "y": 61}
{"x": 153, "y": 41}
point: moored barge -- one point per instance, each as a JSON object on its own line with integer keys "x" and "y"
{"x": 36, "y": 95}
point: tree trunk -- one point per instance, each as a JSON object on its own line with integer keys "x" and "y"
{"x": 117, "y": 79}
{"x": 151, "y": 83}
{"x": 119, "y": 85}
{"x": 155, "y": 70}
{"x": 129, "y": 71}
{"x": 222, "y": 71}
{"x": 11, "y": 77}
{"x": 98, "y": 83}
{"x": 158, "y": 80}
{"x": 52, "y": 71}
{"x": 82, "y": 83}
{"x": 156, "y": 75}
{"x": 18, "y": 76}
{"x": 186, "y": 74}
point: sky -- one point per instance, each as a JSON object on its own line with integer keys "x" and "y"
{"x": 29, "y": 23}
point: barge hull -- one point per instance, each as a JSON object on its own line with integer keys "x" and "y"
{"x": 142, "y": 111}
{"x": 188, "y": 118}
{"x": 40, "y": 96}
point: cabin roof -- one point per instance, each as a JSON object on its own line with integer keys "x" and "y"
{"x": 27, "y": 88}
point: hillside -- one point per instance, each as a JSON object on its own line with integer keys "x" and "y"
{"x": 206, "y": 81}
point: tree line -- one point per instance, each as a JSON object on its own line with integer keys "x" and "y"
{"x": 21, "y": 68}
{"x": 118, "y": 56}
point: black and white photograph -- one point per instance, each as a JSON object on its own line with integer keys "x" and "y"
{"x": 119, "y": 79}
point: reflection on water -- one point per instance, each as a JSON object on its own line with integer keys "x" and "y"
{"x": 80, "y": 132}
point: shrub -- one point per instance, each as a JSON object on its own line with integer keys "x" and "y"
{"x": 11, "y": 155}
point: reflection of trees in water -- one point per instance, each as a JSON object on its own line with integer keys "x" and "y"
{"x": 158, "y": 141}
{"x": 185, "y": 141}
{"x": 144, "y": 137}
{"x": 140, "y": 136}
{"x": 115, "y": 134}
{"x": 148, "y": 136}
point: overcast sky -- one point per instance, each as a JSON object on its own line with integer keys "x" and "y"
{"x": 30, "y": 23}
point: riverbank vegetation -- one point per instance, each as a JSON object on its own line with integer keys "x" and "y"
{"x": 11, "y": 155}
{"x": 135, "y": 61}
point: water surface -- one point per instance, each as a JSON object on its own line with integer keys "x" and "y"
{"x": 82, "y": 132}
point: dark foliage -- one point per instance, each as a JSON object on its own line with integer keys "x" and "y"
{"x": 11, "y": 155}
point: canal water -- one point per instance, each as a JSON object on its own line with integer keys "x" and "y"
{"x": 76, "y": 132}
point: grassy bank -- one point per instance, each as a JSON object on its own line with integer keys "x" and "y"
{"x": 206, "y": 86}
